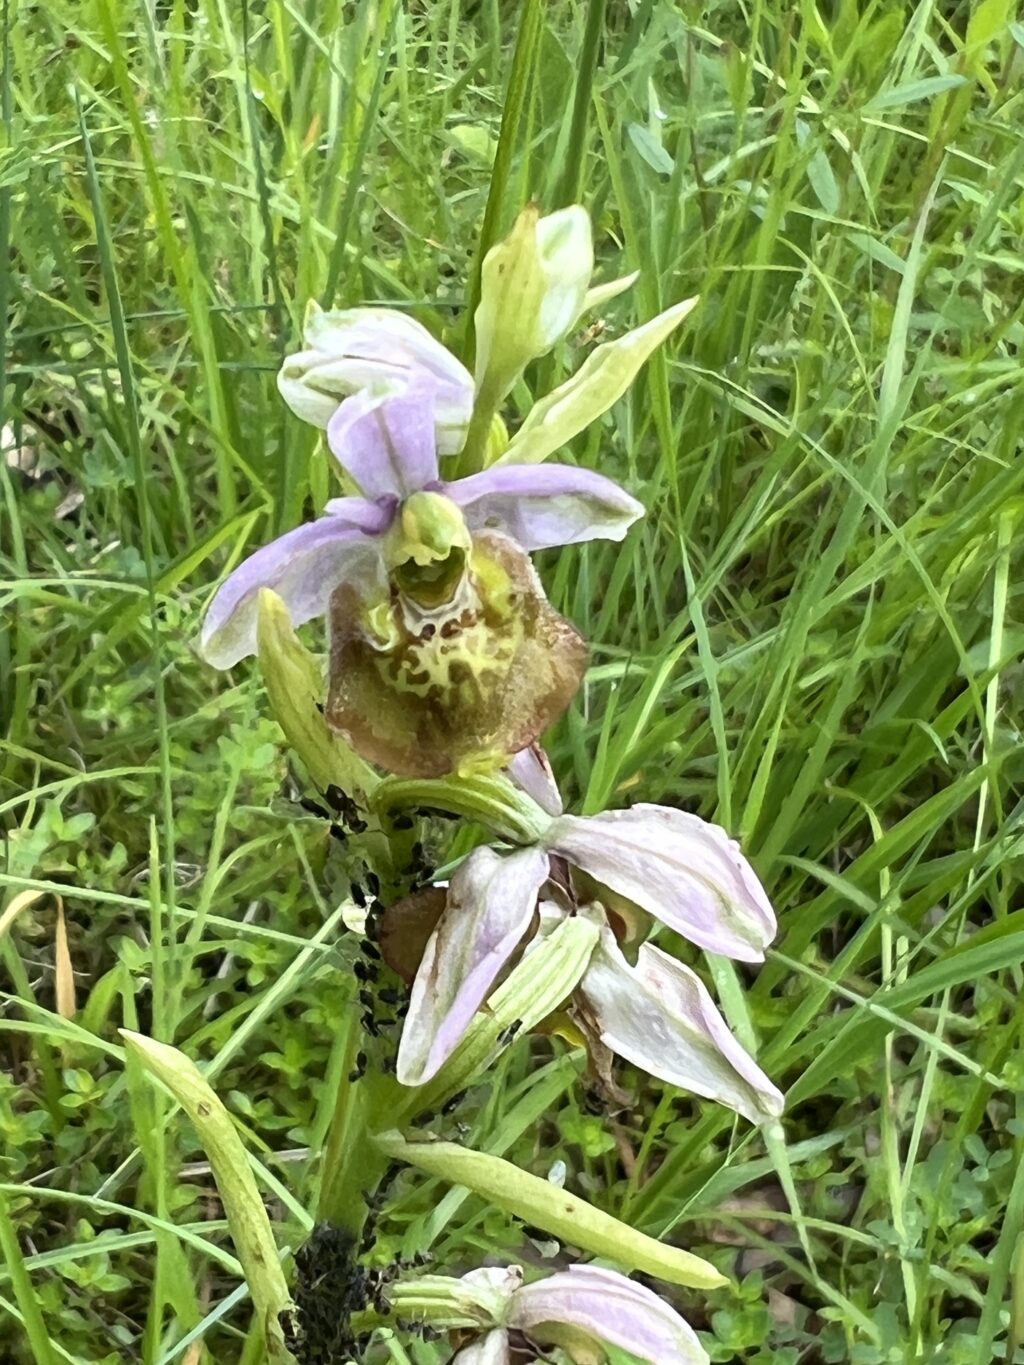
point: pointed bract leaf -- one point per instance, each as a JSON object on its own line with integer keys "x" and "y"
{"x": 565, "y": 1215}
{"x": 491, "y": 901}
{"x": 677, "y": 867}
{"x": 295, "y": 688}
{"x": 246, "y": 1215}
{"x": 659, "y": 1016}
{"x": 600, "y": 381}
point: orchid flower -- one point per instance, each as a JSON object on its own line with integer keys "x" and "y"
{"x": 385, "y": 442}
{"x": 580, "y": 1311}
{"x": 656, "y": 1012}
{"x": 535, "y": 286}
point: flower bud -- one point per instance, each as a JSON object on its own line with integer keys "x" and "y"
{"x": 534, "y": 287}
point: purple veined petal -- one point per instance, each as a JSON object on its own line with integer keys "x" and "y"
{"x": 608, "y": 1307}
{"x": 539, "y": 505}
{"x": 684, "y": 871}
{"x": 384, "y": 439}
{"x": 530, "y": 770}
{"x": 493, "y": 1349}
{"x": 384, "y": 336}
{"x": 303, "y": 568}
{"x": 491, "y": 900}
{"x": 659, "y": 1016}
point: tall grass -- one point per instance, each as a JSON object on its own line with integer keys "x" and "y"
{"x": 814, "y": 637}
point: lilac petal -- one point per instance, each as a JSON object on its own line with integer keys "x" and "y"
{"x": 530, "y": 770}
{"x": 303, "y": 567}
{"x": 684, "y": 871}
{"x": 659, "y": 1016}
{"x": 491, "y": 900}
{"x": 384, "y": 336}
{"x": 546, "y": 504}
{"x": 384, "y": 439}
{"x": 611, "y": 1308}
{"x": 359, "y": 348}
{"x": 493, "y": 1349}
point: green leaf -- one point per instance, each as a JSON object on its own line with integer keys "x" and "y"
{"x": 650, "y": 149}
{"x": 243, "y": 1206}
{"x": 559, "y": 1212}
{"x": 600, "y": 381}
{"x": 914, "y": 91}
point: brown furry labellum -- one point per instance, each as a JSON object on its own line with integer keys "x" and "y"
{"x": 424, "y": 690}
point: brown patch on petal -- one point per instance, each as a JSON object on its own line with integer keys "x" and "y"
{"x": 426, "y": 694}
{"x": 599, "y": 1080}
{"x": 405, "y": 928}
{"x": 628, "y": 922}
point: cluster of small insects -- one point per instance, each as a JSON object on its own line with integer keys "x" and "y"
{"x": 330, "y": 1287}
{"x": 369, "y": 969}
{"x": 341, "y": 810}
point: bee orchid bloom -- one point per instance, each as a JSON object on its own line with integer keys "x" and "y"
{"x": 657, "y": 1013}
{"x": 385, "y": 442}
{"x": 581, "y": 1311}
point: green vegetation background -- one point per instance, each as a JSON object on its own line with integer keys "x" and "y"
{"x": 813, "y": 637}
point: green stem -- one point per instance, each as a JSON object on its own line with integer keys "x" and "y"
{"x": 473, "y": 456}
{"x": 353, "y": 1164}
{"x": 572, "y": 172}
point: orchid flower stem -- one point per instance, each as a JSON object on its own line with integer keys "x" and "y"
{"x": 473, "y": 457}
{"x": 352, "y": 1164}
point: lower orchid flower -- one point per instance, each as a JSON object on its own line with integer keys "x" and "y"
{"x": 581, "y": 1312}
{"x": 653, "y": 1011}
